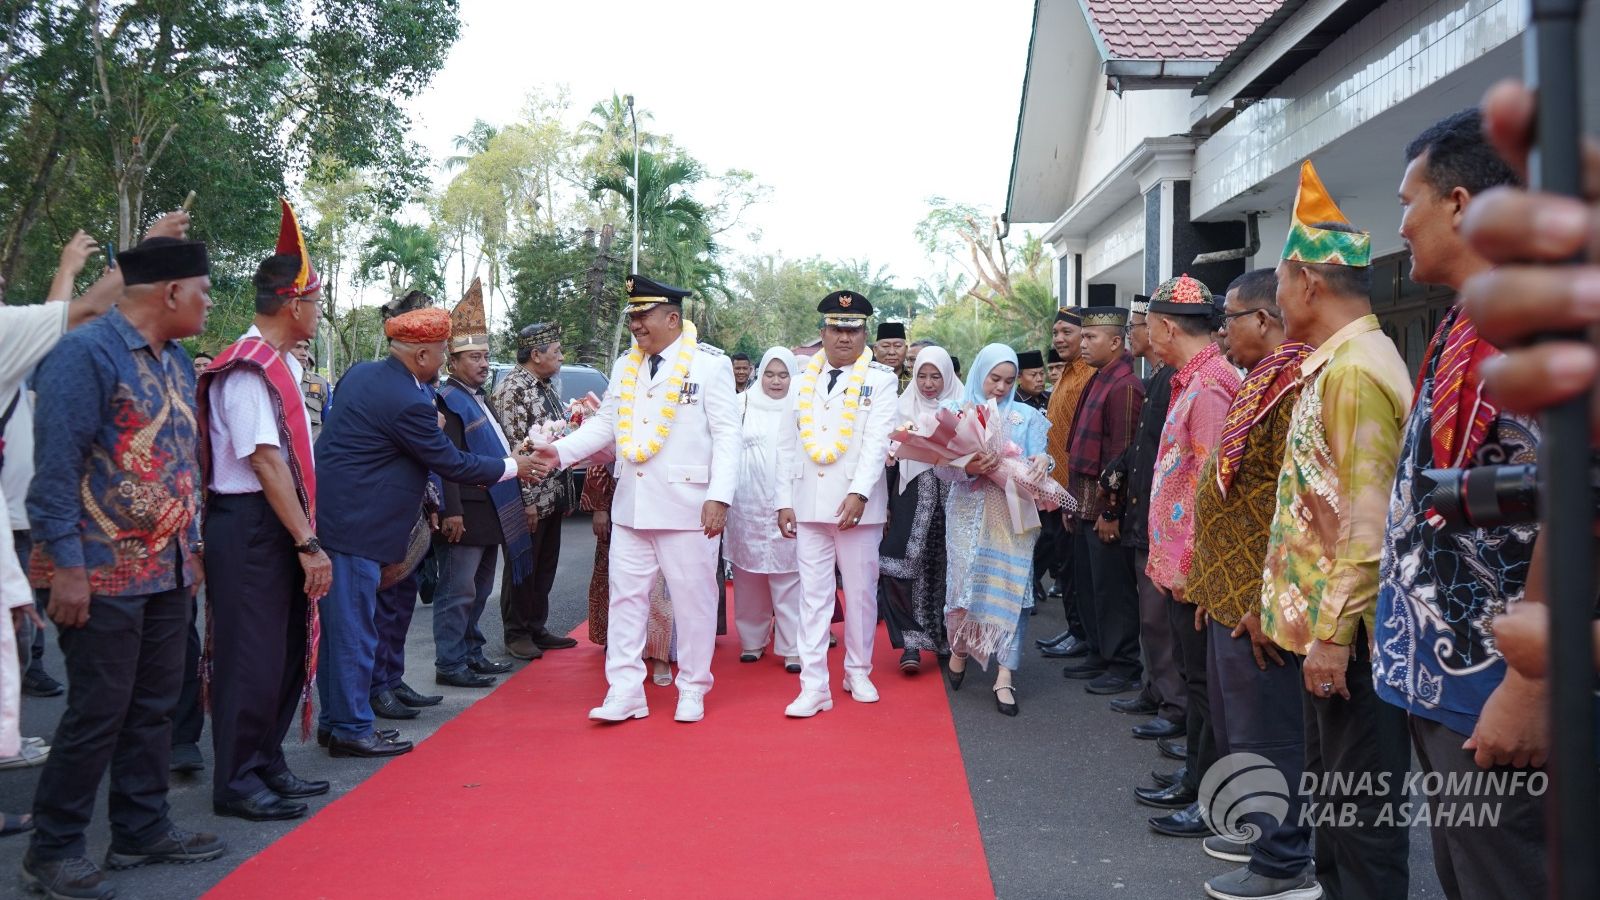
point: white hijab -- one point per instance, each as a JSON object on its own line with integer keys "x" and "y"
{"x": 757, "y": 395}
{"x": 914, "y": 406}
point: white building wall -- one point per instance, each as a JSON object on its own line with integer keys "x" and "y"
{"x": 1120, "y": 237}
{"x": 1385, "y": 59}
{"x": 1118, "y": 124}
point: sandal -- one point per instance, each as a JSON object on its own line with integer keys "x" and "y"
{"x": 956, "y": 675}
{"x": 911, "y": 662}
{"x": 1008, "y": 709}
{"x": 663, "y": 673}
{"x": 15, "y": 823}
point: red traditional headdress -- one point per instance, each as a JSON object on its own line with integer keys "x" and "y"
{"x": 292, "y": 242}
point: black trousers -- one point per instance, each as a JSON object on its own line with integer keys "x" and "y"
{"x": 1480, "y": 861}
{"x": 1362, "y": 734}
{"x": 1256, "y": 711}
{"x": 525, "y": 606}
{"x": 189, "y": 718}
{"x": 1163, "y": 679}
{"x": 1079, "y": 595}
{"x": 1066, "y": 556}
{"x": 1114, "y": 597}
{"x": 124, "y": 671}
{"x": 1193, "y": 657}
{"x": 1047, "y": 554}
{"x": 258, "y": 641}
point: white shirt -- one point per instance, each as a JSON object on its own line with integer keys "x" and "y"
{"x": 241, "y": 420}
{"x": 27, "y": 333}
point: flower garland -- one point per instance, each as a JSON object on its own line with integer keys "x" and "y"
{"x": 821, "y": 455}
{"x": 627, "y": 448}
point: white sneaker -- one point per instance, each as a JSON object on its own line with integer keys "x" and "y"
{"x": 860, "y": 689}
{"x": 618, "y": 708}
{"x": 691, "y": 706}
{"x": 808, "y": 704}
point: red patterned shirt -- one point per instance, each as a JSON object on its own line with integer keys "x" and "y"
{"x": 1201, "y": 393}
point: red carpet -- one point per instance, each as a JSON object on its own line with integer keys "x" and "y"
{"x": 522, "y": 796}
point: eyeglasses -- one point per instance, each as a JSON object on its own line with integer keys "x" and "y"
{"x": 1229, "y": 317}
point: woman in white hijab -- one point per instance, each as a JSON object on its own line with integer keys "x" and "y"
{"x": 766, "y": 576}
{"x": 911, "y": 565}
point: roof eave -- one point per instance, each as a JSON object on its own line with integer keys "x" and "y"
{"x": 1022, "y": 111}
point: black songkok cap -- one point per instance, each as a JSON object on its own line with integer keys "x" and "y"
{"x": 1053, "y": 356}
{"x": 1030, "y": 359}
{"x": 888, "y": 331}
{"x": 163, "y": 259}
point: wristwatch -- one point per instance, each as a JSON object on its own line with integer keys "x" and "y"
{"x": 309, "y": 547}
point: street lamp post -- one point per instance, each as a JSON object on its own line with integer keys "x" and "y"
{"x": 633, "y": 117}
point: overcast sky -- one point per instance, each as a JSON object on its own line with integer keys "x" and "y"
{"x": 853, "y": 112}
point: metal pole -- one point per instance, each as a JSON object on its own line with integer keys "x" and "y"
{"x": 1566, "y": 531}
{"x": 635, "y": 117}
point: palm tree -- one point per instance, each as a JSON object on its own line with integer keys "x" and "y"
{"x": 408, "y": 256}
{"x": 475, "y": 141}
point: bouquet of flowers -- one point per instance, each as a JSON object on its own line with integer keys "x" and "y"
{"x": 552, "y": 430}
{"x": 952, "y": 437}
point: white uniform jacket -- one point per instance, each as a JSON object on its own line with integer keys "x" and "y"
{"x": 815, "y": 491}
{"x": 699, "y": 460}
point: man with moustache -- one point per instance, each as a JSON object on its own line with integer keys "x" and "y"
{"x": 890, "y": 350}
{"x": 670, "y": 421}
{"x": 1030, "y": 381}
{"x": 1066, "y": 338}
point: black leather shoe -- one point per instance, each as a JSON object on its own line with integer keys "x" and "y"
{"x": 385, "y": 705}
{"x": 186, "y": 758}
{"x": 1112, "y": 684}
{"x": 292, "y": 786}
{"x": 1189, "y": 822}
{"x": 1158, "y": 728}
{"x": 40, "y": 684}
{"x": 263, "y": 807}
{"x": 1071, "y": 648}
{"x": 75, "y": 877}
{"x": 369, "y": 747}
{"x": 1134, "y": 706}
{"x": 1083, "y": 671}
{"x": 467, "y": 679}
{"x": 1174, "y": 796}
{"x": 1168, "y": 779}
{"x": 489, "y": 667}
{"x": 1042, "y": 643}
{"x": 408, "y": 695}
{"x": 1055, "y": 591}
{"x": 176, "y": 846}
{"x": 548, "y": 641}
{"x": 1172, "y": 748}
{"x": 1006, "y": 709}
{"x": 388, "y": 734}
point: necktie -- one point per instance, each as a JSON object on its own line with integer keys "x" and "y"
{"x": 655, "y": 363}
{"x": 833, "y": 378}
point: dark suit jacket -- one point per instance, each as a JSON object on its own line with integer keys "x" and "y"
{"x": 373, "y": 457}
{"x": 469, "y": 501}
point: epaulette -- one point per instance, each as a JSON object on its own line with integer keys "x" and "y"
{"x": 880, "y": 367}
{"x": 714, "y": 351}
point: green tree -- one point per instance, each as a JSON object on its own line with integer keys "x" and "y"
{"x": 407, "y": 256}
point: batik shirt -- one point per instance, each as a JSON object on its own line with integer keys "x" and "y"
{"x": 1321, "y": 575}
{"x": 1439, "y": 588}
{"x": 522, "y": 401}
{"x": 120, "y": 491}
{"x": 1201, "y": 392}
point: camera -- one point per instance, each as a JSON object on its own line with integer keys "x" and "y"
{"x": 1484, "y": 496}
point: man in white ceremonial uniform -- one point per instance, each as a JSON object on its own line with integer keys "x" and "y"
{"x": 669, "y": 420}
{"x": 833, "y": 499}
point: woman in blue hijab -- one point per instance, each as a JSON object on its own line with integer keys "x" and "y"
{"x": 990, "y": 566}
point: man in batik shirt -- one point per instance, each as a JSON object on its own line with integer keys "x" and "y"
{"x": 524, "y": 400}
{"x": 1320, "y": 584}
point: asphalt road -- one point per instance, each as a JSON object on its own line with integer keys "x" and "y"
{"x": 1053, "y": 788}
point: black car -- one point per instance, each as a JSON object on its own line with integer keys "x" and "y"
{"x": 573, "y": 382}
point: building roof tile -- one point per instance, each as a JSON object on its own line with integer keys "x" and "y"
{"x": 1168, "y": 29}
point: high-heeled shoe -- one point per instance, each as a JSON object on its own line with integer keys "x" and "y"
{"x": 1006, "y": 709}
{"x": 955, "y": 675}
{"x": 663, "y": 673}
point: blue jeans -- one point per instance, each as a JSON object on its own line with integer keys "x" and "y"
{"x": 466, "y": 575}
{"x": 349, "y": 646}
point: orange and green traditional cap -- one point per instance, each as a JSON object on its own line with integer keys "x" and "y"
{"x": 1307, "y": 243}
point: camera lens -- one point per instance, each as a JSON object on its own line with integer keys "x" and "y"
{"x": 1486, "y": 496}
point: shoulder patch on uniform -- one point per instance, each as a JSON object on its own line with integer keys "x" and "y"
{"x": 880, "y": 367}
{"x": 710, "y": 350}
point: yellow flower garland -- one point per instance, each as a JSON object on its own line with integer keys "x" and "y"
{"x": 823, "y": 456}
{"x": 626, "y": 446}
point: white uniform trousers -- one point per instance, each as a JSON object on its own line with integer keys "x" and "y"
{"x": 766, "y": 606}
{"x": 688, "y": 562}
{"x": 822, "y": 547}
